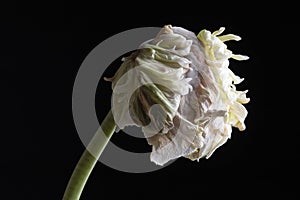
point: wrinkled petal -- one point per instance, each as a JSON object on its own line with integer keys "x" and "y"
{"x": 152, "y": 75}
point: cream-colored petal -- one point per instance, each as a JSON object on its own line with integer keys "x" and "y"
{"x": 229, "y": 37}
{"x": 220, "y": 31}
{"x": 239, "y": 57}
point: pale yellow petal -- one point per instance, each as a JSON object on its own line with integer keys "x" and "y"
{"x": 239, "y": 57}
{"x": 218, "y": 32}
{"x": 228, "y": 37}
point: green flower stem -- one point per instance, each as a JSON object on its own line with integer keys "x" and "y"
{"x": 89, "y": 158}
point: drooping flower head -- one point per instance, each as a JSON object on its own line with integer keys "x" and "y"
{"x": 179, "y": 89}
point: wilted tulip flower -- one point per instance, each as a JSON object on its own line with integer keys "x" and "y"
{"x": 179, "y": 89}
{"x": 188, "y": 76}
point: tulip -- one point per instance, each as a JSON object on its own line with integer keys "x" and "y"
{"x": 178, "y": 87}
{"x": 188, "y": 76}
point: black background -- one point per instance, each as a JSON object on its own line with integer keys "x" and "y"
{"x": 41, "y": 53}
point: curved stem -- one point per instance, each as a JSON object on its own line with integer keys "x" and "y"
{"x": 89, "y": 158}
